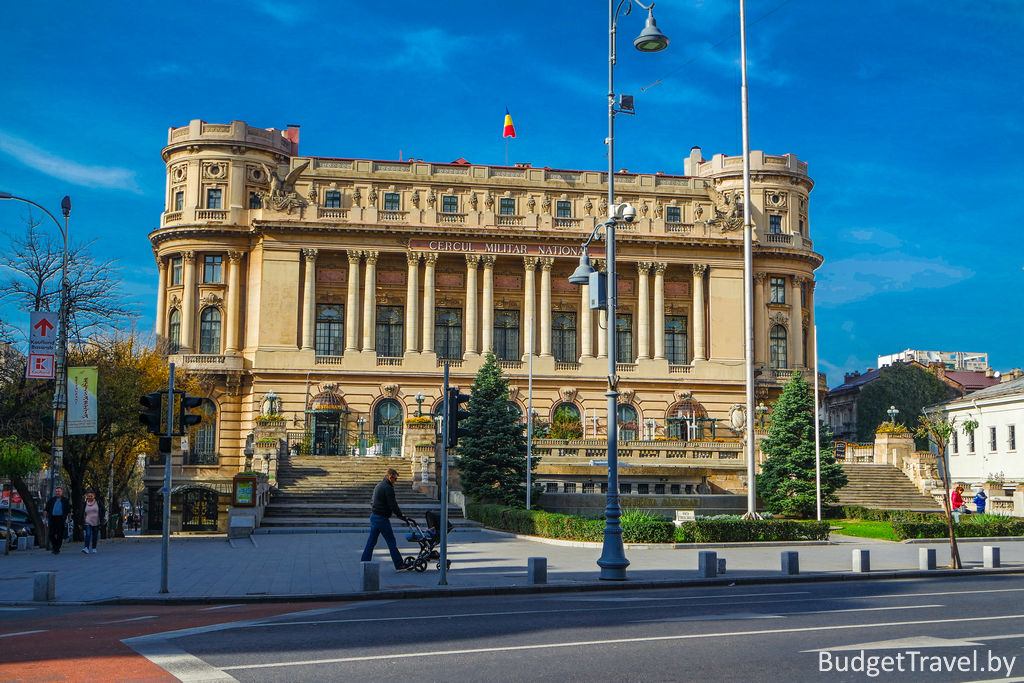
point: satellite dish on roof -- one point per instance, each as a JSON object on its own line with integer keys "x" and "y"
{"x": 996, "y": 374}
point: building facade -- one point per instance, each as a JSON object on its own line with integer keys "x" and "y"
{"x": 952, "y": 360}
{"x": 327, "y": 293}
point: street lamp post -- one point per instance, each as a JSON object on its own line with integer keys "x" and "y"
{"x": 362, "y": 444}
{"x": 761, "y": 409}
{"x": 60, "y": 392}
{"x": 892, "y": 413}
{"x": 613, "y": 560}
{"x": 420, "y": 398}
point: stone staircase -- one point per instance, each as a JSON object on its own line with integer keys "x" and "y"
{"x": 335, "y": 491}
{"x": 883, "y": 487}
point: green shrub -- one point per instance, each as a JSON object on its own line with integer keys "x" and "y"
{"x": 747, "y": 530}
{"x": 640, "y": 526}
{"x": 967, "y": 528}
{"x": 872, "y": 515}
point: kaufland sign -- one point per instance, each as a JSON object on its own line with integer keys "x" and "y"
{"x": 42, "y": 345}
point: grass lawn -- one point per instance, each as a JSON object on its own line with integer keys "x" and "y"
{"x": 855, "y": 527}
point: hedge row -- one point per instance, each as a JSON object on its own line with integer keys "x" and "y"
{"x": 746, "y": 530}
{"x": 965, "y": 529}
{"x": 871, "y": 515}
{"x": 637, "y": 529}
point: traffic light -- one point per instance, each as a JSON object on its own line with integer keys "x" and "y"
{"x": 453, "y": 416}
{"x": 152, "y": 417}
{"x": 188, "y": 403}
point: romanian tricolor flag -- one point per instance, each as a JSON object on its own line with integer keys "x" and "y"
{"x": 510, "y": 130}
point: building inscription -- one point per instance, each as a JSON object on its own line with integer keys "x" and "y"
{"x": 514, "y": 248}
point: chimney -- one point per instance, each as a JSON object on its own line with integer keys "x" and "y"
{"x": 292, "y": 134}
{"x": 691, "y": 163}
{"x": 989, "y": 372}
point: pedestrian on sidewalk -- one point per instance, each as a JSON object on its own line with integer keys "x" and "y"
{"x": 94, "y": 514}
{"x": 56, "y": 511}
{"x": 979, "y": 501}
{"x": 382, "y": 506}
{"x": 956, "y": 501}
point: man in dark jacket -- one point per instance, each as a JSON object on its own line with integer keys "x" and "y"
{"x": 57, "y": 510}
{"x": 381, "y": 509}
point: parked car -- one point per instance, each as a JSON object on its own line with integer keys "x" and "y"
{"x": 20, "y": 523}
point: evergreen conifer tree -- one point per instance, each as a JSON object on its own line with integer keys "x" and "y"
{"x": 492, "y": 457}
{"x": 786, "y": 483}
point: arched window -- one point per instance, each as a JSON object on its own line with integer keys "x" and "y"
{"x": 209, "y": 330}
{"x": 203, "y": 439}
{"x": 629, "y": 422}
{"x": 174, "y": 331}
{"x": 686, "y": 420}
{"x": 777, "y": 347}
{"x": 566, "y": 422}
{"x": 387, "y": 427}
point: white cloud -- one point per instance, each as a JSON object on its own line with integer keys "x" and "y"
{"x": 429, "y": 48}
{"x": 876, "y": 238}
{"x": 863, "y": 276}
{"x": 282, "y": 12}
{"x": 110, "y": 177}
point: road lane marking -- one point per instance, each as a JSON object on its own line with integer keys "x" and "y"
{"x": 773, "y": 615}
{"x": 21, "y": 633}
{"x": 208, "y": 609}
{"x": 862, "y": 609}
{"x": 688, "y": 597}
{"x": 901, "y": 644}
{"x": 615, "y": 641}
{"x": 123, "y": 621}
{"x": 15, "y": 609}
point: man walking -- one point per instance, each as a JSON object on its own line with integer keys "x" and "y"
{"x": 381, "y": 509}
{"x": 57, "y": 510}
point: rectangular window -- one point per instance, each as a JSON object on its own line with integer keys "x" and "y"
{"x": 332, "y": 199}
{"x": 673, "y": 214}
{"x": 389, "y": 330}
{"x": 675, "y": 340}
{"x": 775, "y": 224}
{"x": 970, "y": 441}
{"x": 211, "y": 267}
{"x": 176, "y": 271}
{"x": 563, "y": 336}
{"x": 448, "y": 333}
{"x": 777, "y": 290}
{"x": 624, "y": 338}
{"x": 506, "y": 334}
{"x": 179, "y": 200}
{"x": 992, "y": 447}
{"x": 569, "y": 487}
{"x": 659, "y": 489}
{"x": 330, "y": 330}
{"x": 507, "y": 206}
{"x": 955, "y": 443}
{"x": 604, "y": 487}
{"x": 449, "y": 203}
{"x": 800, "y": 223}
{"x": 1012, "y": 437}
{"x": 625, "y": 488}
{"x": 255, "y": 200}
{"x": 213, "y": 198}
{"x": 392, "y": 202}
{"x": 588, "y": 487}
{"x": 551, "y": 487}
{"x": 563, "y": 209}
{"x": 803, "y": 295}
{"x": 643, "y": 489}
{"x": 674, "y": 488}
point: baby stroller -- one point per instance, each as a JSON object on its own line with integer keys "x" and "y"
{"x": 428, "y": 541}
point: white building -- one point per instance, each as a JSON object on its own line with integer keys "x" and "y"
{"x": 953, "y": 360}
{"x": 992, "y": 451}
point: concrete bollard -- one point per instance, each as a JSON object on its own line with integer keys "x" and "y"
{"x": 926, "y": 559}
{"x": 790, "y": 562}
{"x": 707, "y": 564}
{"x": 24, "y": 542}
{"x": 991, "y": 556}
{"x": 369, "y": 575}
{"x": 861, "y": 560}
{"x": 44, "y": 586}
{"x": 721, "y": 565}
{"x": 537, "y": 569}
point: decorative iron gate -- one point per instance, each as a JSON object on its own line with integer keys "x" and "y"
{"x": 387, "y": 424}
{"x": 199, "y": 509}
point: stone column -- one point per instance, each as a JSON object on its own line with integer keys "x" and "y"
{"x": 643, "y": 306}
{"x": 370, "y": 302}
{"x": 161, "y": 298}
{"x": 352, "y": 303}
{"x": 412, "y": 301}
{"x": 545, "y": 305}
{"x": 812, "y": 348}
{"x": 472, "y": 263}
{"x": 188, "y": 301}
{"x": 530, "y": 305}
{"x": 760, "y": 319}
{"x": 797, "y": 338}
{"x": 586, "y": 324}
{"x": 234, "y": 302}
{"x": 487, "y": 307}
{"x": 602, "y": 320}
{"x": 659, "y": 311}
{"x": 699, "y": 349}
{"x": 309, "y": 299}
{"x": 430, "y": 263}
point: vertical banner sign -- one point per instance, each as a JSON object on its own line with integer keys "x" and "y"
{"x": 82, "y": 400}
{"x": 42, "y": 344}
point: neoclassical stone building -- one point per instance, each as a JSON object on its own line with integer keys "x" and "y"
{"x": 339, "y": 287}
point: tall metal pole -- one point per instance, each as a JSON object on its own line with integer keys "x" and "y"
{"x": 443, "y": 579}
{"x": 748, "y": 279}
{"x": 166, "y": 540}
{"x": 529, "y": 417}
{"x": 817, "y": 427}
{"x": 613, "y": 560}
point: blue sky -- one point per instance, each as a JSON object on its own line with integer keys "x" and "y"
{"x": 907, "y": 111}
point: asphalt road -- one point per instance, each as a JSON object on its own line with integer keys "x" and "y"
{"x": 956, "y": 629}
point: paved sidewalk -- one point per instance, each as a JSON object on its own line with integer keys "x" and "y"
{"x": 326, "y": 565}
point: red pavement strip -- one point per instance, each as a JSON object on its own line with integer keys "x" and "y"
{"x": 86, "y": 645}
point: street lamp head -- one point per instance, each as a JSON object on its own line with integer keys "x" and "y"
{"x": 6, "y": 195}
{"x": 651, "y": 39}
{"x": 581, "y": 275}
{"x": 65, "y": 206}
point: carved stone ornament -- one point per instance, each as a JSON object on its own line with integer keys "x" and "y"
{"x": 738, "y": 416}
{"x": 489, "y": 201}
{"x": 473, "y": 200}
{"x": 179, "y": 173}
{"x": 390, "y": 390}
{"x": 255, "y": 174}
{"x": 603, "y": 206}
{"x": 568, "y": 394}
{"x": 644, "y": 209}
{"x": 588, "y": 206}
{"x": 683, "y": 396}
{"x": 778, "y": 318}
{"x": 175, "y": 300}
{"x": 416, "y": 198}
{"x": 513, "y": 391}
{"x": 658, "y": 209}
{"x": 373, "y": 195}
{"x": 431, "y": 199}
{"x": 775, "y": 199}
{"x": 699, "y": 211}
{"x": 531, "y": 203}
{"x": 282, "y": 195}
{"x": 211, "y": 299}
{"x": 546, "y": 206}
{"x": 728, "y": 209}
{"x": 215, "y": 170}
{"x": 627, "y": 395}
{"x": 357, "y": 197}
{"x": 312, "y": 195}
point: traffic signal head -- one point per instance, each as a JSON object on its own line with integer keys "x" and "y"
{"x": 189, "y": 403}
{"x": 151, "y": 416}
{"x": 453, "y": 416}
